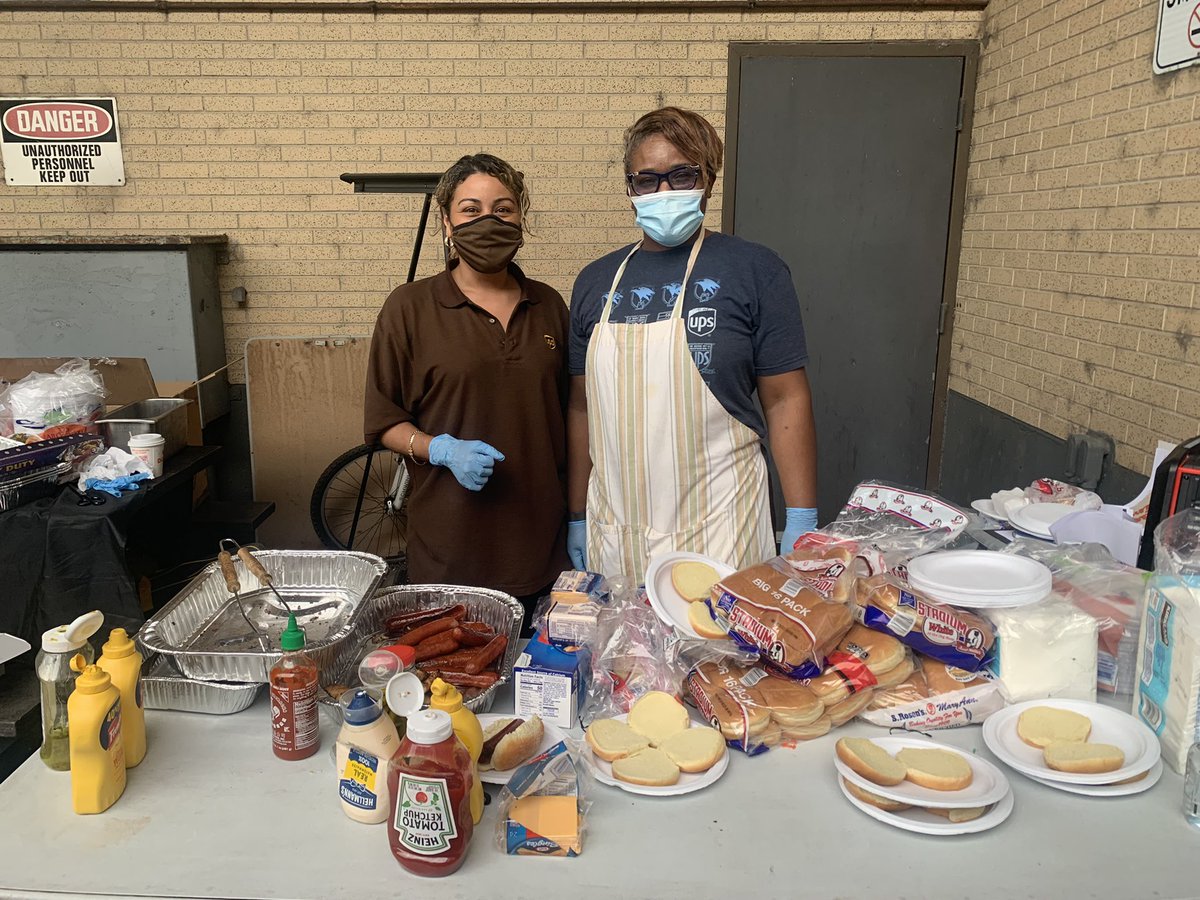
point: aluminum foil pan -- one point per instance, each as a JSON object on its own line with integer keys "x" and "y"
{"x": 499, "y": 610}
{"x": 164, "y": 688}
{"x": 205, "y": 634}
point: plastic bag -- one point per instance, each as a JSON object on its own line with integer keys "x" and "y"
{"x": 1049, "y": 490}
{"x": 41, "y": 403}
{"x": 1168, "y": 685}
{"x": 1046, "y": 649}
{"x": 6, "y": 419}
{"x": 570, "y": 614}
{"x": 897, "y": 524}
{"x": 951, "y": 635}
{"x": 543, "y": 808}
{"x": 934, "y": 696}
{"x": 772, "y": 609}
{"x": 632, "y": 654}
{"x": 1113, "y": 593}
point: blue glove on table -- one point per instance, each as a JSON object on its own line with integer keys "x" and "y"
{"x": 470, "y": 461}
{"x": 800, "y": 521}
{"x": 116, "y": 485}
{"x": 577, "y": 544}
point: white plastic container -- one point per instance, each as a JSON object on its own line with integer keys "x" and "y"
{"x": 149, "y": 449}
{"x": 365, "y": 746}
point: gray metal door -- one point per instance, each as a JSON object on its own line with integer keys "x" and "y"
{"x": 844, "y": 165}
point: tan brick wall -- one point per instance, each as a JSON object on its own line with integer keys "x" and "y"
{"x": 1077, "y": 305}
{"x": 241, "y": 122}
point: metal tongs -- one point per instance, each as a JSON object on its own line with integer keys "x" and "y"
{"x": 234, "y": 584}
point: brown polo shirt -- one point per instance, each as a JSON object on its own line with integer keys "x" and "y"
{"x": 446, "y": 365}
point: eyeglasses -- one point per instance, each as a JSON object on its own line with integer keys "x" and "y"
{"x": 680, "y": 178}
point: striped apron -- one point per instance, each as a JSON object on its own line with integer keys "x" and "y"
{"x": 671, "y": 469}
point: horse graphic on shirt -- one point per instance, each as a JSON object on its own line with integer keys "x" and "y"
{"x": 613, "y": 297}
{"x": 670, "y": 293}
{"x": 705, "y": 289}
{"x": 640, "y": 297}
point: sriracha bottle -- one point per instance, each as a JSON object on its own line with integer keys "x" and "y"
{"x": 430, "y": 784}
{"x": 295, "y": 722}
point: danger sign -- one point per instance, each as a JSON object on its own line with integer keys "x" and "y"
{"x": 1178, "y": 43}
{"x": 73, "y": 141}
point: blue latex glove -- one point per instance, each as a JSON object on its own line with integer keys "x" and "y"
{"x": 799, "y": 521}
{"x": 577, "y": 544}
{"x": 115, "y": 486}
{"x": 470, "y": 461}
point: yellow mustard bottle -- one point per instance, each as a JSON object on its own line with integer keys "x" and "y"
{"x": 448, "y": 698}
{"x": 97, "y": 752}
{"x": 121, "y": 660}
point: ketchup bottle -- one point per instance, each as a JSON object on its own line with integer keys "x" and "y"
{"x": 430, "y": 784}
{"x": 295, "y": 722}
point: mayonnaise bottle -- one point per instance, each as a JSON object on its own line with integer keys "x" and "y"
{"x": 365, "y": 745}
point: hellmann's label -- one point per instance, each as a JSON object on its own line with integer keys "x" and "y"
{"x": 357, "y": 784}
{"x": 424, "y": 821}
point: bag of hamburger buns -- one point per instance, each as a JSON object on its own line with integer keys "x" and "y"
{"x": 947, "y": 634}
{"x": 936, "y": 695}
{"x": 771, "y": 609}
{"x": 754, "y": 709}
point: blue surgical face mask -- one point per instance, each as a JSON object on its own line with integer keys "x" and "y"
{"x": 669, "y": 217}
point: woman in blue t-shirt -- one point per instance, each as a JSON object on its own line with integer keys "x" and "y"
{"x": 668, "y": 347}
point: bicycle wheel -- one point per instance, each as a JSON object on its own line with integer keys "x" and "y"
{"x": 382, "y": 522}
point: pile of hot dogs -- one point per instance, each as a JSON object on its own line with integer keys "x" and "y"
{"x": 446, "y": 645}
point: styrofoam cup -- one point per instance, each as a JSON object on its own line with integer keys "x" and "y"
{"x": 149, "y": 449}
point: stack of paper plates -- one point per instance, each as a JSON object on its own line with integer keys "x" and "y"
{"x": 980, "y": 579}
{"x": 989, "y": 788}
{"x": 1142, "y": 768}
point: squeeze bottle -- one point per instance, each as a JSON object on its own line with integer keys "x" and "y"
{"x": 57, "y": 679}
{"x": 430, "y": 828}
{"x": 120, "y": 659}
{"x": 365, "y": 745}
{"x": 466, "y": 726}
{"x": 97, "y": 750}
{"x": 295, "y": 722}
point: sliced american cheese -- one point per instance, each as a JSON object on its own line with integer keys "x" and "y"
{"x": 553, "y": 818}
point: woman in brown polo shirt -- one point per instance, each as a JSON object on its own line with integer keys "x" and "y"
{"x": 467, "y": 381}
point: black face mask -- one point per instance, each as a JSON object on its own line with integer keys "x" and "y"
{"x": 487, "y": 244}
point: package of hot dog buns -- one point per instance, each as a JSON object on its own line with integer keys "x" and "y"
{"x": 772, "y": 609}
{"x": 935, "y": 695}
{"x": 950, "y": 635}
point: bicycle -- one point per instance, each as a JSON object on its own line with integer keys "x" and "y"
{"x": 358, "y": 502}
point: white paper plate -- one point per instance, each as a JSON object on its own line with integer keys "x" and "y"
{"x": 688, "y": 781}
{"x": 988, "y": 786}
{"x": 986, "y": 507}
{"x": 552, "y": 734}
{"x": 980, "y": 579}
{"x": 1036, "y": 518}
{"x": 1107, "y": 790}
{"x": 1109, "y": 726}
{"x": 925, "y": 822}
{"x": 664, "y": 599}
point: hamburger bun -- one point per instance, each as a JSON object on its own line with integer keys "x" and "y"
{"x": 843, "y": 712}
{"x": 693, "y": 580}
{"x": 1041, "y": 726}
{"x": 871, "y": 761}
{"x": 819, "y": 728}
{"x": 874, "y": 799}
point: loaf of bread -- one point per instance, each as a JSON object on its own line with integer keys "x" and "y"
{"x": 861, "y": 657}
{"x": 827, "y": 567}
{"x": 770, "y": 610}
{"x": 943, "y": 632}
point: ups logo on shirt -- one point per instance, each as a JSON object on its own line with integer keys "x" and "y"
{"x": 550, "y": 341}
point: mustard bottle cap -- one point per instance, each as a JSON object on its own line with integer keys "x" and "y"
{"x": 92, "y": 678}
{"x": 444, "y": 696}
{"x": 119, "y": 644}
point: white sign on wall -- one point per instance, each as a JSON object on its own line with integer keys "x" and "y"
{"x": 70, "y": 141}
{"x": 1178, "y": 43}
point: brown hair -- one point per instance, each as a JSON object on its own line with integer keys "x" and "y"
{"x": 693, "y": 134}
{"x": 481, "y": 164}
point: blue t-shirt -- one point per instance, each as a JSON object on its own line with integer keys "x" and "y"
{"x": 741, "y": 313}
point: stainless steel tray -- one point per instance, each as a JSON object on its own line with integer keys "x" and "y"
{"x": 499, "y": 610}
{"x": 203, "y": 631}
{"x": 163, "y": 687}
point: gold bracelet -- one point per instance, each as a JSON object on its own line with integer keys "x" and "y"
{"x": 411, "y": 440}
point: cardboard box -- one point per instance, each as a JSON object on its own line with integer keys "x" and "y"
{"x": 550, "y": 682}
